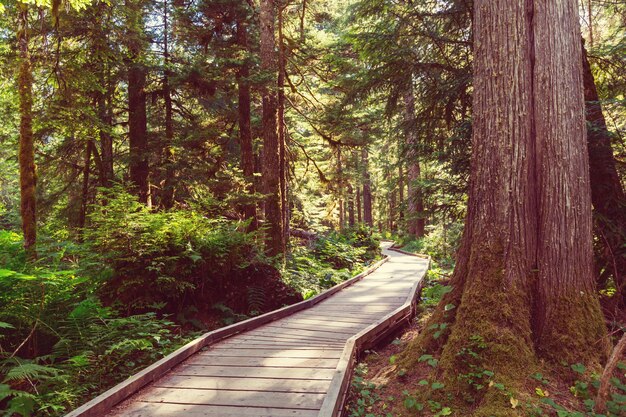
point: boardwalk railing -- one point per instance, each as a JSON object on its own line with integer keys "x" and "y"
{"x": 109, "y": 399}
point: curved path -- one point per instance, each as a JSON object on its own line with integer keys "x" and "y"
{"x": 286, "y": 367}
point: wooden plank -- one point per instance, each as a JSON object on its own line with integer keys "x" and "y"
{"x": 282, "y": 346}
{"x": 273, "y": 353}
{"x": 290, "y": 339}
{"x": 285, "y": 333}
{"x": 361, "y": 298}
{"x": 330, "y": 317}
{"x": 243, "y": 384}
{"x": 318, "y": 316}
{"x": 305, "y": 330}
{"x": 254, "y": 372}
{"x": 324, "y": 323}
{"x": 270, "y": 362}
{"x": 368, "y": 308}
{"x": 233, "y": 398}
{"x": 141, "y": 409}
{"x": 374, "y": 306}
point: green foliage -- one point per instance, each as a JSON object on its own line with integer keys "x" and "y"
{"x": 333, "y": 259}
{"x": 366, "y": 395}
{"x": 59, "y": 344}
{"x": 166, "y": 257}
{"x": 440, "y": 243}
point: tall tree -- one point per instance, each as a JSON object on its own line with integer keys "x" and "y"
{"x": 523, "y": 286}
{"x": 167, "y": 195}
{"x": 271, "y": 146}
{"x": 367, "y": 189}
{"x": 28, "y": 177}
{"x": 415, "y": 204}
{"x": 282, "y": 127}
{"x": 607, "y": 194}
{"x": 245, "y": 130}
{"x": 137, "y": 118}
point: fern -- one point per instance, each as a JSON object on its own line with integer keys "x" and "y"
{"x": 256, "y": 298}
{"x": 30, "y": 371}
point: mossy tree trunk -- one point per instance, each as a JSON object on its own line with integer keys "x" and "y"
{"x": 28, "y": 176}
{"x": 275, "y": 241}
{"x": 523, "y": 288}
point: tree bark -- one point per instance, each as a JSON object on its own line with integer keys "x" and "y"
{"x": 523, "y": 286}
{"x": 275, "y": 243}
{"x": 85, "y": 189}
{"x": 28, "y": 176}
{"x": 342, "y": 215}
{"x": 167, "y": 195}
{"x": 106, "y": 140}
{"x": 359, "y": 210}
{"x": 415, "y": 204}
{"x": 350, "y": 205}
{"x": 245, "y": 130}
{"x": 137, "y": 120}
{"x": 282, "y": 128}
{"x": 367, "y": 190}
{"x": 400, "y": 190}
{"x": 607, "y": 194}
{"x": 104, "y": 98}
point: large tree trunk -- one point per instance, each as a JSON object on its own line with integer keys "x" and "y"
{"x": 275, "y": 242}
{"x": 138, "y": 131}
{"x": 415, "y": 206}
{"x": 400, "y": 191}
{"x": 523, "y": 286}
{"x": 367, "y": 190}
{"x": 342, "y": 214}
{"x": 167, "y": 194}
{"x": 282, "y": 127}
{"x": 350, "y": 205}
{"x": 245, "y": 130}
{"x": 137, "y": 120}
{"x": 106, "y": 140}
{"x": 28, "y": 177}
{"x": 607, "y": 194}
{"x": 84, "y": 201}
{"x": 359, "y": 210}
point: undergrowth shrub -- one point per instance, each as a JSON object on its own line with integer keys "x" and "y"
{"x": 170, "y": 260}
{"x": 58, "y": 344}
{"x": 334, "y": 258}
{"x": 440, "y": 242}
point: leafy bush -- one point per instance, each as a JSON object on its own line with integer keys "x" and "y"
{"x": 440, "y": 243}
{"x": 169, "y": 260}
{"x": 334, "y": 258}
{"x": 59, "y": 344}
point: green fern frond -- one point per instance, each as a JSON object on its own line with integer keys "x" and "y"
{"x": 30, "y": 371}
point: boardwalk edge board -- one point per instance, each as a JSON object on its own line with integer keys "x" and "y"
{"x": 333, "y": 405}
{"x": 115, "y": 395}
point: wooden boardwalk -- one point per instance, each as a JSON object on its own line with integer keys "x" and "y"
{"x": 294, "y": 366}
